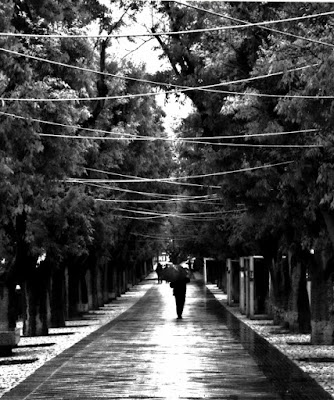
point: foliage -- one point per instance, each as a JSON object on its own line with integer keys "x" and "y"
{"x": 64, "y": 219}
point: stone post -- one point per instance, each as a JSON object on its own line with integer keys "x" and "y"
{"x": 9, "y": 336}
{"x": 242, "y": 294}
{"x": 251, "y": 288}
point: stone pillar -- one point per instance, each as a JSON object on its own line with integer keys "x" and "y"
{"x": 229, "y": 281}
{"x": 205, "y": 274}
{"x": 247, "y": 297}
{"x": 9, "y": 336}
{"x": 309, "y": 287}
{"x": 251, "y": 288}
{"x": 242, "y": 294}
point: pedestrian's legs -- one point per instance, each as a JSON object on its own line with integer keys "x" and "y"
{"x": 180, "y": 300}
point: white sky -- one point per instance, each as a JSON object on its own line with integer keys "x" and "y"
{"x": 145, "y": 54}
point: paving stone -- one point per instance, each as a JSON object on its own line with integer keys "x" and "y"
{"x": 146, "y": 353}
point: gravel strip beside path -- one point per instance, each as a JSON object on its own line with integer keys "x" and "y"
{"x": 33, "y": 352}
{"x": 296, "y": 347}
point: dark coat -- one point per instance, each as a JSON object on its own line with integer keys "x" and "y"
{"x": 179, "y": 286}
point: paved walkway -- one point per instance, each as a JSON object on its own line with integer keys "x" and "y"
{"x": 146, "y": 353}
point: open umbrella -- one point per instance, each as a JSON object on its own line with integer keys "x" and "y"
{"x": 174, "y": 273}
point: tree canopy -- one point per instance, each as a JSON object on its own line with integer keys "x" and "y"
{"x": 250, "y": 166}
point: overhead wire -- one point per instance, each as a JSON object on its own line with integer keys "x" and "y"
{"x": 284, "y": 146}
{"x": 212, "y": 199}
{"x": 156, "y": 195}
{"x": 250, "y": 135}
{"x": 157, "y": 201}
{"x": 248, "y": 24}
{"x": 129, "y": 136}
{"x": 186, "y": 216}
{"x": 171, "y": 33}
{"x": 202, "y": 88}
{"x": 177, "y": 196}
{"x": 171, "y": 179}
{"x": 167, "y": 237}
{"x": 245, "y": 24}
{"x": 82, "y": 181}
{"x": 176, "y": 91}
{"x": 178, "y": 214}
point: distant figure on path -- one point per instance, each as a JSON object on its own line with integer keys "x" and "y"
{"x": 159, "y": 270}
{"x": 179, "y": 291}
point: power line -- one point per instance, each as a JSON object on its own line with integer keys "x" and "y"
{"x": 203, "y": 88}
{"x": 152, "y": 138}
{"x": 284, "y": 146}
{"x": 136, "y": 95}
{"x": 171, "y": 179}
{"x": 82, "y": 181}
{"x": 153, "y": 34}
{"x": 246, "y": 136}
{"x": 173, "y": 196}
{"x": 178, "y": 88}
{"x": 157, "y": 201}
{"x": 155, "y": 195}
{"x": 140, "y": 137}
{"x": 187, "y": 216}
{"x": 247, "y": 24}
{"x": 147, "y": 212}
{"x": 78, "y": 127}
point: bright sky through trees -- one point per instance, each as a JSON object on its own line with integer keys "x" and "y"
{"x": 141, "y": 51}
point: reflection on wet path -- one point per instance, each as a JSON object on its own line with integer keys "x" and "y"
{"x": 198, "y": 357}
{"x": 289, "y": 381}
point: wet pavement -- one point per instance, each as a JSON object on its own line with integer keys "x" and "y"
{"x": 146, "y": 353}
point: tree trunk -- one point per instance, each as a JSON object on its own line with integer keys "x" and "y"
{"x": 58, "y": 299}
{"x": 322, "y": 290}
{"x": 322, "y": 296}
{"x": 298, "y": 315}
{"x": 280, "y": 284}
{"x": 112, "y": 281}
{"x": 37, "y": 313}
{"x": 73, "y": 292}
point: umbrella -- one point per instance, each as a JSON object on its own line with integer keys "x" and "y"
{"x": 174, "y": 273}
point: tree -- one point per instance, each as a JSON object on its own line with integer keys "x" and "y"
{"x": 35, "y": 165}
{"x": 250, "y": 52}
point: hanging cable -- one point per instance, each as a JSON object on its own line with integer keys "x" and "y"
{"x": 246, "y": 136}
{"x": 207, "y": 88}
{"x": 151, "y": 214}
{"x": 178, "y": 196}
{"x": 140, "y": 137}
{"x": 172, "y": 179}
{"x": 153, "y": 34}
{"x": 82, "y": 181}
{"x": 137, "y": 95}
{"x": 283, "y": 146}
{"x": 248, "y": 24}
{"x": 155, "y": 195}
{"x": 157, "y": 201}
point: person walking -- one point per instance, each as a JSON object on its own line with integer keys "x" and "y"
{"x": 179, "y": 291}
{"x": 159, "y": 270}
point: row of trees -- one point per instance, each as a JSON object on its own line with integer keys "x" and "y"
{"x": 285, "y": 213}
{"x": 272, "y": 126}
{"x": 53, "y": 226}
